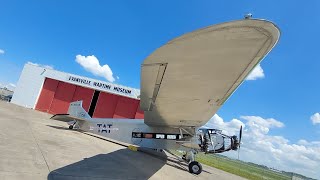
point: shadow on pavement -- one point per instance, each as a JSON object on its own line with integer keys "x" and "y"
{"x": 120, "y": 164}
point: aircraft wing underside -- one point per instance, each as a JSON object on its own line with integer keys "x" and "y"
{"x": 184, "y": 82}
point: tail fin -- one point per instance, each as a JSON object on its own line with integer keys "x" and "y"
{"x": 76, "y": 110}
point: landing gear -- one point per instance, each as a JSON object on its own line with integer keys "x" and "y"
{"x": 72, "y": 124}
{"x": 195, "y": 167}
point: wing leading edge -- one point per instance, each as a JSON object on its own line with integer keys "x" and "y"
{"x": 186, "y": 81}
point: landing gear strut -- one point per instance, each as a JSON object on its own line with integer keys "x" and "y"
{"x": 194, "y": 166}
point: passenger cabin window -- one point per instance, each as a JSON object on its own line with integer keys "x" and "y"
{"x": 160, "y": 136}
{"x": 171, "y": 136}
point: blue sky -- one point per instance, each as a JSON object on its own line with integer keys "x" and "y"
{"x": 122, "y": 34}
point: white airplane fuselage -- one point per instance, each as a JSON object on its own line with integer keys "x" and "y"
{"x": 136, "y": 132}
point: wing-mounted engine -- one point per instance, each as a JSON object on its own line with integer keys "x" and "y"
{"x": 214, "y": 141}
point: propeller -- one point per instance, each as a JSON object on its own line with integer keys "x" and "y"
{"x": 240, "y": 136}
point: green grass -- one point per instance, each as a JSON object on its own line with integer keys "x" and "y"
{"x": 240, "y": 168}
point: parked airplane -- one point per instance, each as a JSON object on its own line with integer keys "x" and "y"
{"x": 183, "y": 84}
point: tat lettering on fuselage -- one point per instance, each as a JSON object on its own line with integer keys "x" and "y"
{"x": 106, "y": 128}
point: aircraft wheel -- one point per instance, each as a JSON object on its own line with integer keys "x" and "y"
{"x": 195, "y": 167}
{"x": 70, "y": 127}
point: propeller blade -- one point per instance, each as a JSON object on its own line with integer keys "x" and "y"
{"x": 240, "y": 136}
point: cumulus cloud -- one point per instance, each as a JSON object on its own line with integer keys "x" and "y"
{"x": 256, "y": 73}
{"x": 41, "y": 65}
{"x": 2, "y": 51}
{"x": 306, "y": 143}
{"x": 229, "y": 128}
{"x": 261, "y": 125}
{"x": 260, "y": 147}
{"x": 92, "y": 64}
{"x": 315, "y": 118}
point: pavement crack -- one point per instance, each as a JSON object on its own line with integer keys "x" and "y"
{"x": 36, "y": 140}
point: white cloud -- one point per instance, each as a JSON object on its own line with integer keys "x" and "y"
{"x": 35, "y": 64}
{"x": 260, "y": 147}
{"x": 229, "y": 128}
{"x": 41, "y": 65}
{"x": 91, "y": 64}
{"x": 262, "y": 125}
{"x": 315, "y": 118}
{"x": 306, "y": 143}
{"x": 256, "y": 73}
{"x": 118, "y": 77}
{"x": 2, "y": 51}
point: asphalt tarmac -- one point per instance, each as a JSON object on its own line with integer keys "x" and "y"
{"x": 32, "y": 146}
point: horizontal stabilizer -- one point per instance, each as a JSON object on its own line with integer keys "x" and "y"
{"x": 66, "y": 118}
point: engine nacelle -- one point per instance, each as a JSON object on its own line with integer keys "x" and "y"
{"x": 234, "y": 143}
{"x": 213, "y": 141}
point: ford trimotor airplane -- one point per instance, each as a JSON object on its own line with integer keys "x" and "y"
{"x": 183, "y": 84}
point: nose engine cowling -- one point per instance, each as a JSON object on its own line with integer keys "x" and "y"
{"x": 214, "y": 141}
{"x": 234, "y": 143}
{"x": 211, "y": 141}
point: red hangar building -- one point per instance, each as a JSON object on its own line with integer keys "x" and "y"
{"x": 51, "y": 91}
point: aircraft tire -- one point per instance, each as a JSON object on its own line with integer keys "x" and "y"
{"x": 70, "y": 127}
{"x": 195, "y": 167}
